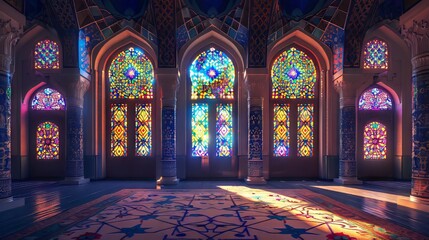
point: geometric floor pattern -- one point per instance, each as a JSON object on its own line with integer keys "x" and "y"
{"x": 232, "y": 212}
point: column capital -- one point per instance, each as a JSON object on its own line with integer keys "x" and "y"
{"x": 76, "y": 90}
{"x": 255, "y": 101}
{"x": 420, "y": 62}
{"x": 256, "y": 81}
{"x": 415, "y": 28}
{"x": 9, "y": 35}
{"x": 168, "y": 102}
{"x": 5, "y": 62}
{"x": 168, "y": 79}
{"x": 338, "y": 83}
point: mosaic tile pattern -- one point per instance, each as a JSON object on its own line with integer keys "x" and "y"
{"x": 5, "y": 152}
{"x": 420, "y": 165}
{"x": 347, "y": 141}
{"x": 255, "y": 132}
{"x": 233, "y": 212}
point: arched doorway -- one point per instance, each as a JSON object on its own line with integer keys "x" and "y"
{"x": 294, "y": 107}
{"x": 47, "y": 134}
{"x": 130, "y": 109}
{"x": 375, "y": 133}
{"x": 212, "y": 112}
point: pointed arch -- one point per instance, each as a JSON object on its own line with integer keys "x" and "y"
{"x": 218, "y": 39}
{"x": 215, "y": 64}
{"x": 137, "y": 100}
{"x": 321, "y": 52}
{"x": 300, "y": 119}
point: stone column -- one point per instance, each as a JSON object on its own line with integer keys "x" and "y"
{"x": 255, "y": 163}
{"x": 348, "y": 170}
{"x": 8, "y": 39}
{"x": 420, "y": 154}
{"x": 74, "y": 158}
{"x": 168, "y": 80}
{"x": 415, "y": 31}
{"x": 255, "y": 82}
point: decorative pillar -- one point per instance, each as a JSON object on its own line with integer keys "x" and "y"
{"x": 8, "y": 39}
{"x": 415, "y": 31}
{"x": 255, "y": 82}
{"x": 348, "y": 170}
{"x": 255, "y": 164}
{"x": 420, "y": 154}
{"x": 168, "y": 80}
{"x": 74, "y": 157}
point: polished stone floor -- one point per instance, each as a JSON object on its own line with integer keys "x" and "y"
{"x": 45, "y": 199}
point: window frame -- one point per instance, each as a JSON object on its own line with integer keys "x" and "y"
{"x": 363, "y": 56}
{"x": 293, "y": 106}
{"x": 59, "y": 56}
{"x": 131, "y": 104}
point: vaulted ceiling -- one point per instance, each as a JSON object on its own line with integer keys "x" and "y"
{"x": 253, "y": 24}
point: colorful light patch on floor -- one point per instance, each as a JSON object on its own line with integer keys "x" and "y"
{"x": 232, "y": 212}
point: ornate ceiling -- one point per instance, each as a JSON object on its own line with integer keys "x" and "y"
{"x": 253, "y": 24}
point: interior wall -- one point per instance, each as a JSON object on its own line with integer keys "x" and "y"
{"x": 397, "y": 80}
{"x": 25, "y": 81}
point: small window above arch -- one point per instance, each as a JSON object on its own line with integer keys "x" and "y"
{"x": 46, "y": 55}
{"x": 376, "y": 55}
{"x": 375, "y": 99}
{"x": 48, "y": 99}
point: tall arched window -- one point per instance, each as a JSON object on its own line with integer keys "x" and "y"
{"x": 212, "y": 97}
{"x": 375, "y": 133}
{"x": 131, "y": 80}
{"x": 294, "y": 107}
{"x": 130, "y": 110}
{"x": 376, "y": 55}
{"x": 46, "y": 55}
{"x": 46, "y": 125}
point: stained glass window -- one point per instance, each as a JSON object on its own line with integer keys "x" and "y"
{"x": 375, "y": 99}
{"x": 281, "y": 130}
{"x": 375, "y": 141}
{"x": 200, "y": 129}
{"x": 48, "y": 99}
{"x": 48, "y": 141}
{"x": 293, "y": 75}
{"x": 118, "y": 128}
{"x": 212, "y": 76}
{"x": 143, "y": 129}
{"x": 305, "y": 130}
{"x": 131, "y": 75}
{"x": 224, "y": 130}
{"x": 376, "y": 55}
{"x": 46, "y": 55}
